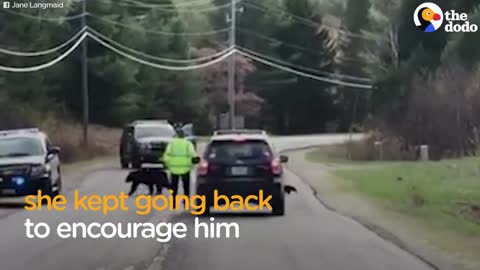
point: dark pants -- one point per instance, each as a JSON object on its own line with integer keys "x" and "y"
{"x": 186, "y": 184}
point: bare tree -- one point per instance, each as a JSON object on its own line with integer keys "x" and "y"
{"x": 443, "y": 112}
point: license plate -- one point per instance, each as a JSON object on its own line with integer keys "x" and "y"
{"x": 237, "y": 171}
{"x": 9, "y": 191}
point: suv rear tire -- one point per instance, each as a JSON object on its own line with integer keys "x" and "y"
{"x": 208, "y": 204}
{"x": 124, "y": 164}
{"x": 136, "y": 164}
{"x": 279, "y": 206}
{"x": 207, "y": 212}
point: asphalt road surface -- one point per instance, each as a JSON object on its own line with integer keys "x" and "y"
{"x": 308, "y": 237}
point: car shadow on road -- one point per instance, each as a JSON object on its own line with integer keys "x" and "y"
{"x": 12, "y": 205}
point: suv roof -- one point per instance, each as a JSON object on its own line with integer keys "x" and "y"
{"x": 234, "y": 137}
{"x": 146, "y": 123}
{"x": 239, "y": 131}
{"x": 263, "y": 136}
{"x": 157, "y": 124}
{"x": 242, "y": 137}
{"x": 142, "y": 122}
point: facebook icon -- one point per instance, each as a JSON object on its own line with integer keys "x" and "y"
{"x": 6, "y": 4}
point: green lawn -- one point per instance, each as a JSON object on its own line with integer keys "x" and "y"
{"x": 441, "y": 194}
{"x": 440, "y": 199}
{"x": 444, "y": 194}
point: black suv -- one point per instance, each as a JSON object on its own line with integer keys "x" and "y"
{"x": 28, "y": 163}
{"x": 144, "y": 141}
{"x": 242, "y": 164}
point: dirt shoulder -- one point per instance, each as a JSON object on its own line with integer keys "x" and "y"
{"x": 341, "y": 196}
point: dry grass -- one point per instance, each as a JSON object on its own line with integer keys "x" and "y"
{"x": 392, "y": 149}
{"x": 361, "y": 151}
{"x": 103, "y": 141}
{"x": 63, "y": 132}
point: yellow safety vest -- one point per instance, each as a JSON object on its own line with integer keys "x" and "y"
{"x": 178, "y": 156}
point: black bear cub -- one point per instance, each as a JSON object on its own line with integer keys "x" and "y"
{"x": 149, "y": 177}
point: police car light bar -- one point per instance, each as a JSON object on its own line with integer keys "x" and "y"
{"x": 16, "y": 131}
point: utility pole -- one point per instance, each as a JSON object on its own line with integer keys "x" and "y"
{"x": 350, "y": 130}
{"x": 232, "y": 65}
{"x": 85, "y": 99}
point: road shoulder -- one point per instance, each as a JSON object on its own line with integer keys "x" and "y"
{"x": 73, "y": 174}
{"x": 339, "y": 197}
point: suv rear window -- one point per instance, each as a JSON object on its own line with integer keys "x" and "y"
{"x": 232, "y": 151}
{"x": 154, "y": 131}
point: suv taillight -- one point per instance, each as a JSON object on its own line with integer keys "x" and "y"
{"x": 276, "y": 166}
{"x": 202, "y": 169}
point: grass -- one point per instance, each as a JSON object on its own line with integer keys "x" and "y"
{"x": 444, "y": 194}
{"x": 442, "y": 199}
{"x": 335, "y": 155}
{"x": 103, "y": 141}
{"x": 65, "y": 133}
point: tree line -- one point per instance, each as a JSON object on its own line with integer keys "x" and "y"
{"x": 415, "y": 76}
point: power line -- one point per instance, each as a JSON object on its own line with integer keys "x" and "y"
{"x": 65, "y": 18}
{"x": 299, "y": 18}
{"x": 206, "y": 33}
{"x": 168, "y": 60}
{"x": 283, "y": 43}
{"x": 355, "y": 78}
{"x": 49, "y": 64}
{"x": 177, "y": 68}
{"x": 162, "y": 8}
{"x": 303, "y": 74}
{"x": 311, "y": 23}
{"x": 44, "y": 52}
{"x": 159, "y": 66}
{"x": 108, "y": 46}
{"x": 190, "y": 3}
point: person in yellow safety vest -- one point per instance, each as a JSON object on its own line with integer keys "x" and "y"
{"x": 178, "y": 158}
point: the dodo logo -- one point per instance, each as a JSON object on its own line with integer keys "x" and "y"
{"x": 428, "y": 17}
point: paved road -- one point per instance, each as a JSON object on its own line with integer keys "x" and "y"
{"x": 308, "y": 237}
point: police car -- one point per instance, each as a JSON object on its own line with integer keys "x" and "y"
{"x": 28, "y": 163}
